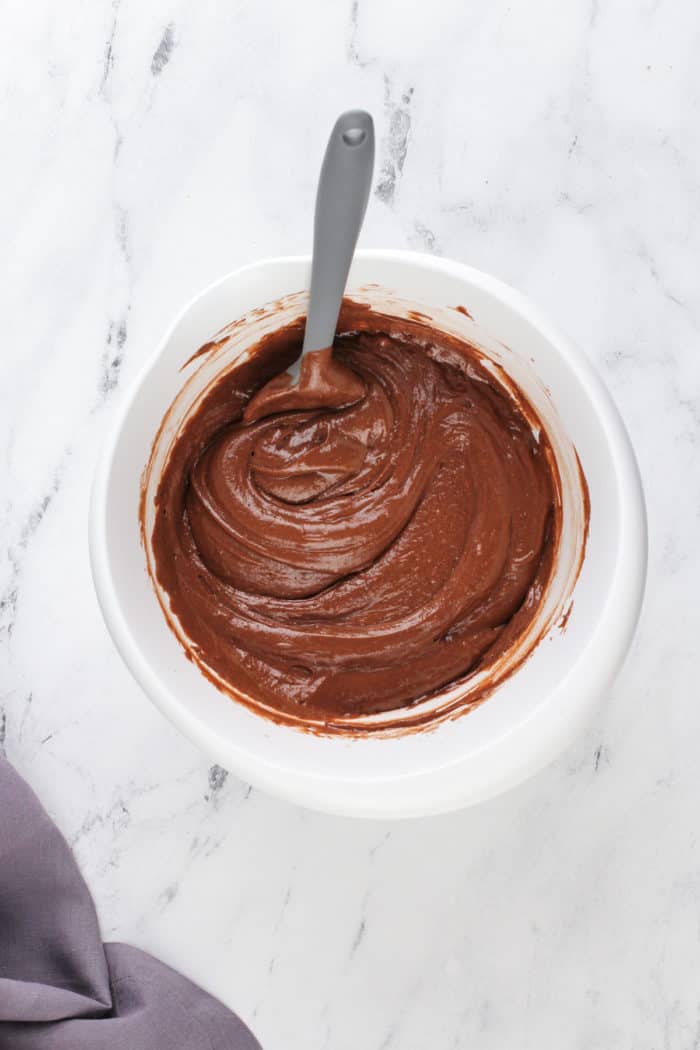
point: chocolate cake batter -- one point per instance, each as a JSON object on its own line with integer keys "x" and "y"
{"x": 333, "y": 561}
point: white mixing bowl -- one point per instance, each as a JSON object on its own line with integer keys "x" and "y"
{"x": 535, "y": 711}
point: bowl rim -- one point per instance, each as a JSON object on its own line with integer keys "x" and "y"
{"x": 630, "y": 567}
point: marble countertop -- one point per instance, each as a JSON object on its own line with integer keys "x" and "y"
{"x": 149, "y": 148}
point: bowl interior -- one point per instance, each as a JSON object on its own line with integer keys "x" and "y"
{"x": 606, "y": 594}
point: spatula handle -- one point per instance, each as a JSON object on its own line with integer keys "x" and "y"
{"x": 341, "y": 202}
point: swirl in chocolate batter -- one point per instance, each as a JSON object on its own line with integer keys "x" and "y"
{"x": 329, "y": 562}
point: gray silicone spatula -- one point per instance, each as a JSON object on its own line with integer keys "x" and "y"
{"x": 341, "y": 202}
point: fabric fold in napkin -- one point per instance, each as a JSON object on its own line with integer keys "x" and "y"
{"x": 60, "y": 987}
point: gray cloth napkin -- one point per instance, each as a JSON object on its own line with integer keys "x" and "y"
{"x": 60, "y": 987}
